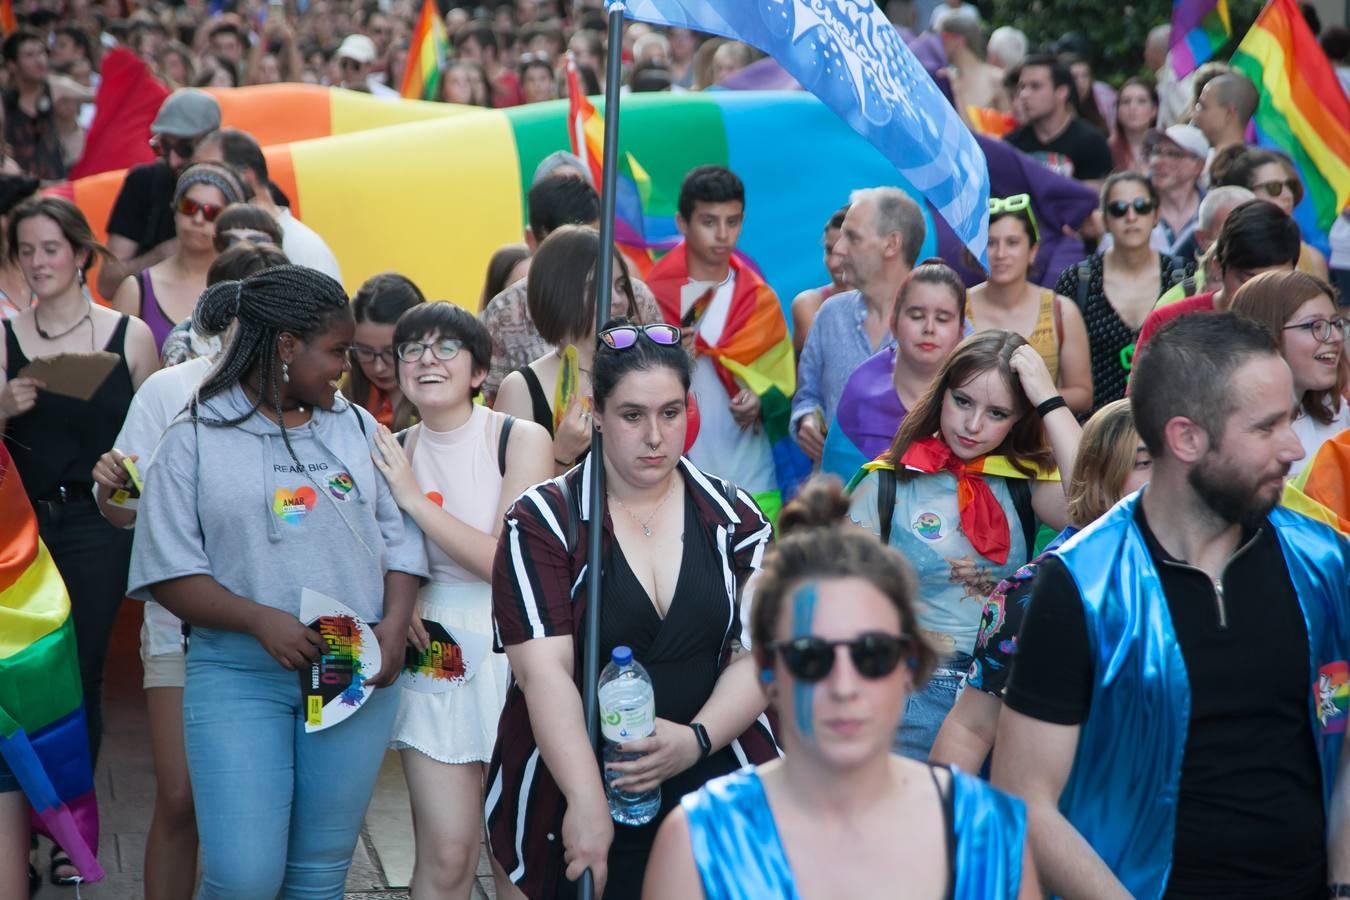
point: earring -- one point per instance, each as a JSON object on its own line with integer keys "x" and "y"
{"x": 286, "y": 372}
{"x": 766, "y": 676}
{"x": 79, "y": 271}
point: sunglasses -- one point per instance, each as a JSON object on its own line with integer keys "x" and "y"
{"x": 349, "y": 64}
{"x": 875, "y": 654}
{"x": 622, "y": 337}
{"x": 1017, "y": 203}
{"x": 1141, "y": 205}
{"x": 413, "y": 351}
{"x": 235, "y": 236}
{"x": 1276, "y": 188}
{"x": 164, "y": 145}
{"x": 189, "y": 207}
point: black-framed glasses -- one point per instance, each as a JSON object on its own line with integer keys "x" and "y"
{"x": 1322, "y": 330}
{"x": 875, "y": 654}
{"x": 369, "y": 354}
{"x": 188, "y": 207}
{"x": 622, "y": 337}
{"x": 443, "y": 350}
{"x": 1141, "y": 205}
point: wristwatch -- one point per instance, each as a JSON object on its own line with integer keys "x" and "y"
{"x": 704, "y": 743}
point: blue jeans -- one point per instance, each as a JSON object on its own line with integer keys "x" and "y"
{"x": 926, "y": 709}
{"x": 279, "y": 811}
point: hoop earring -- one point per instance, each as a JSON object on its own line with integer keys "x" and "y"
{"x": 286, "y": 372}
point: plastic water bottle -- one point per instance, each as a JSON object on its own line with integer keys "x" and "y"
{"x": 627, "y": 713}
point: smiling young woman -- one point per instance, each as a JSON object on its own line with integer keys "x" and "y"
{"x": 456, "y": 473}
{"x": 959, "y": 494}
{"x": 263, "y": 487}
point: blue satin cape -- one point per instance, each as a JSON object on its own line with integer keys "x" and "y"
{"x": 740, "y": 857}
{"x": 1122, "y": 792}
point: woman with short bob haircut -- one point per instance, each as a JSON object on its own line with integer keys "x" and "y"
{"x": 960, "y": 492}
{"x": 560, "y": 296}
{"x": 1112, "y": 463}
{"x": 839, "y": 650}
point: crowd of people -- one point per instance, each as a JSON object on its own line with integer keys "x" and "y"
{"x": 971, "y": 580}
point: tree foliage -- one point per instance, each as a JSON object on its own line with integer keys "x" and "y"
{"x": 1117, "y": 33}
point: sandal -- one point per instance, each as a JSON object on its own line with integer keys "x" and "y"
{"x": 61, "y": 860}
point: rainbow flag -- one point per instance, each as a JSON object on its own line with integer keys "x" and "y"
{"x": 42, "y": 732}
{"x": 755, "y": 347}
{"x": 992, "y": 122}
{"x": 426, "y": 56}
{"x": 1199, "y": 29}
{"x": 632, "y": 188}
{"x": 1302, "y": 111}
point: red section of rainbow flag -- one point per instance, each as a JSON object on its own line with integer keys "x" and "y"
{"x": 426, "y": 55}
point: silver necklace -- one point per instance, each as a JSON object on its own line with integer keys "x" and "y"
{"x": 646, "y": 525}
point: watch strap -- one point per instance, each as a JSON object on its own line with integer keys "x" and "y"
{"x": 704, "y": 742}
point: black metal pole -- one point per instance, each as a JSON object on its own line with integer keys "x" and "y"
{"x": 604, "y": 280}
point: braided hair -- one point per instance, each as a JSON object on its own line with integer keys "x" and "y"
{"x": 291, "y": 300}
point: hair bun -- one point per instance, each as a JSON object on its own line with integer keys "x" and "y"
{"x": 218, "y": 305}
{"x": 822, "y": 503}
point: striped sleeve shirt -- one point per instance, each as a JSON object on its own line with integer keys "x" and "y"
{"x": 538, "y": 590}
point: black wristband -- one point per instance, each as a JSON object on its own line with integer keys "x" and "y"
{"x": 1338, "y": 890}
{"x": 1049, "y": 406}
{"x": 704, "y": 742}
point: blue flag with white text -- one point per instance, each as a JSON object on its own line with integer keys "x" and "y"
{"x": 849, "y": 55}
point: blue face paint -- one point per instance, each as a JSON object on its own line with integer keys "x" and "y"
{"x": 803, "y": 693}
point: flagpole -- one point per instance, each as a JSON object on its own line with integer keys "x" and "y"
{"x": 604, "y": 282}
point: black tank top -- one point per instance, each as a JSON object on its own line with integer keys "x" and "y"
{"x": 59, "y": 440}
{"x": 539, "y": 408}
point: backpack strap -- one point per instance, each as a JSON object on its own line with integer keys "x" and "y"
{"x": 885, "y": 502}
{"x": 1020, "y": 489}
{"x": 1084, "y": 270}
{"x": 362, "y": 422}
{"x": 407, "y": 439}
{"x": 502, "y": 437}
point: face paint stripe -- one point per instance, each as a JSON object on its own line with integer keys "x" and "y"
{"x": 803, "y": 693}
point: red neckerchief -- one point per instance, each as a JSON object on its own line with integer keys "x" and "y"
{"x": 982, "y": 518}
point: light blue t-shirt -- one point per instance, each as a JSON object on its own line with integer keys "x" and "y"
{"x": 954, "y": 579}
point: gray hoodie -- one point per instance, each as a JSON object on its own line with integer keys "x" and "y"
{"x": 230, "y": 502}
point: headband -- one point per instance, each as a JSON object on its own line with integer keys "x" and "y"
{"x": 219, "y": 179}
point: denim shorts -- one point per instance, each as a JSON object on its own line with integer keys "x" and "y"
{"x": 925, "y": 710}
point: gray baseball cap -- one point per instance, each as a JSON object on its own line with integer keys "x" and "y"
{"x": 187, "y": 113}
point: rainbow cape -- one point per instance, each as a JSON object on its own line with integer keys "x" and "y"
{"x": 426, "y": 56}
{"x": 1199, "y": 29}
{"x": 42, "y": 732}
{"x": 755, "y": 347}
{"x": 1322, "y": 490}
{"x": 1302, "y": 111}
{"x": 999, "y": 466}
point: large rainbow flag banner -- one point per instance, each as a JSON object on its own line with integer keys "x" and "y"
{"x": 426, "y": 55}
{"x": 441, "y": 187}
{"x": 42, "y": 731}
{"x": 1302, "y": 111}
{"x": 1199, "y": 29}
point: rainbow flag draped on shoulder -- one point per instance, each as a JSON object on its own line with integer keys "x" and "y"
{"x": 42, "y": 730}
{"x": 426, "y": 56}
{"x": 755, "y": 347}
{"x": 1199, "y": 29}
{"x": 1302, "y": 111}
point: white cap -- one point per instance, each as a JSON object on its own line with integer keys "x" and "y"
{"x": 1188, "y": 138}
{"x": 357, "y": 47}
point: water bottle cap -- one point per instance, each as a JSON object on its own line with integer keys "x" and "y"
{"x": 621, "y": 655}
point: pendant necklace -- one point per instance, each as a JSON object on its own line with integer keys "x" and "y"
{"x": 645, "y": 525}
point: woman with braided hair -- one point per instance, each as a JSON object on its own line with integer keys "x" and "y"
{"x": 265, "y": 486}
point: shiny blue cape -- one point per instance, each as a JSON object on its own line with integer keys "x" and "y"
{"x": 740, "y": 857}
{"x": 1122, "y": 791}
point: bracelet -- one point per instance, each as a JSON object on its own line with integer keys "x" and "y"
{"x": 1049, "y": 406}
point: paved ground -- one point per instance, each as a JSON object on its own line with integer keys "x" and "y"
{"x": 126, "y": 793}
